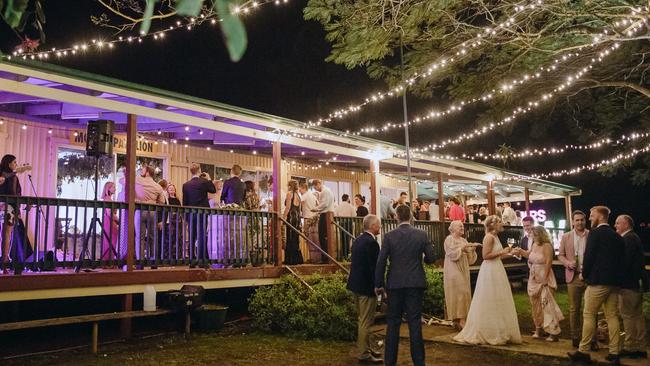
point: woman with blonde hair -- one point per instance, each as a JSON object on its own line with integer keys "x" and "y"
{"x": 459, "y": 255}
{"x": 542, "y": 285}
{"x": 492, "y": 317}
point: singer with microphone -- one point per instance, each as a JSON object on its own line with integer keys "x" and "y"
{"x": 9, "y": 186}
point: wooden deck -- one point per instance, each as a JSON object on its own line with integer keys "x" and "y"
{"x": 67, "y": 283}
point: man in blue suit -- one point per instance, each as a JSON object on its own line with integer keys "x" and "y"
{"x": 361, "y": 282}
{"x": 405, "y": 284}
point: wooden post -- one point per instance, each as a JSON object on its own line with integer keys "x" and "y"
{"x": 527, "y": 201}
{"x": 332, "y": 247}
{"x": 375, "y": 194}
{"x": 441, "y": 199}
{"x": 277, "y": 201}
{"x": 568, "y": 210}
{"x": 95, "y": 335}
{"x": 491, "y": 199}
{"x": 125, "y": 324}
{"x": 131, "y": 141}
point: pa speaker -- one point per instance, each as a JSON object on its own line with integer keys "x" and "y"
{"x": 99, "y": 137}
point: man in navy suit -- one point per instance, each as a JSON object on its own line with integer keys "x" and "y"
{"x": 195, "y": 193}
{"x": 405, "y": 284}
{"x": 630, "y": 298}
{"x": 234, "y": 189}
{"x": 602, "y": 269}
{"x": 361, "y": 282}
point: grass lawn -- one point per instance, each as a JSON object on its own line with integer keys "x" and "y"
{"x": 255, "y": 349}
{"x": 522, "y": 303}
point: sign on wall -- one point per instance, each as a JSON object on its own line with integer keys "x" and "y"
{"x": 119, "y": 143}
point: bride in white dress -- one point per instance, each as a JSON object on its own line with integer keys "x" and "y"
{"x": 492, "y": 317}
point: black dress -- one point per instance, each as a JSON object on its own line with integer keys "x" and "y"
{"x": 362, "y": 211}
{"x": 292, "y": 254}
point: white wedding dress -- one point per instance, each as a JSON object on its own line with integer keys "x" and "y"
{"x": 492, "y": 317}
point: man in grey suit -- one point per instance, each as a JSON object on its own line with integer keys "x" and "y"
{"x": 405, "y": 284}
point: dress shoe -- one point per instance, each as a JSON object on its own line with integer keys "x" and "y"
{"x": 579, "y": 357}
{"x": 371, "y": 360}
{"x": 613, "y": 359}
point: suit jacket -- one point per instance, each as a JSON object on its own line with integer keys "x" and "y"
{"x": 567, "y": 254}
{"x": 195, "y": 192}
{"x": 634, "y": 263}
{"x": 404, "y": 247}
{"x": 365, "y": 251}
{"x": 604, "y": 255}
{"x": 234, "y": 191}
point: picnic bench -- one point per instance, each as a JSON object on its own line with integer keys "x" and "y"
{"x": 94, "y": 319}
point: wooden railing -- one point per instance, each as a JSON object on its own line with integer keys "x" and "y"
{"x": 78, "y": 233}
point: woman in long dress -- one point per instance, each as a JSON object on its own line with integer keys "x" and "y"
{"x": 492, "y": 317}
{"x": 542, "y": 285}
{"x": 292, "y": 254}
{"x": 459, "y": 254}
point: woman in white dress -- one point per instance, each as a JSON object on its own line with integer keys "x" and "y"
{"x": 492, "y": 317}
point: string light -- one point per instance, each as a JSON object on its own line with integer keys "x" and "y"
{"x": 504, "y": 87}
{"x": 455, "y": 54}
{"x": 520, "y": 110}
{"x": 100, "y": 44}
{"x": 631, "y": 154}
{"x": 542, "y": 151}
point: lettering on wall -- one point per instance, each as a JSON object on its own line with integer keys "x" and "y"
{"x": 119, "y": 143}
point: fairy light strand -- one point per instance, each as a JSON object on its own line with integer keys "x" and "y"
{"x": 504, "y": 86}
{"x": 531, "y": 152}
{"x": 570, "y": 80}
{"x": 454, "y": 54}
{"x": 457, "y": 52}
{"x": 101, "y": 44}
{"x": 619, "y": 158}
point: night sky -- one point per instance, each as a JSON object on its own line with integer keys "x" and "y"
{"x": 284, "y": 73}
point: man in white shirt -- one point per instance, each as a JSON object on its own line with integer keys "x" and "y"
{"x": 509, "y": 215}
{"x": 310, "y": 221}
{"x": 325, "y": 207}
{"x": 345, "y": 208}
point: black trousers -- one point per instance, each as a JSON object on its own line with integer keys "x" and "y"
{"x": 322, "y": 235}
{"x": 400, "y": 301}
{"x": 197, "y": 225}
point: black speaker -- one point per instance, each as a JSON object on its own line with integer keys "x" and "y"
{"x": 99, "y": 137}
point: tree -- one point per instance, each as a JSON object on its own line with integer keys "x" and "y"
{"x": 612, "y": 99}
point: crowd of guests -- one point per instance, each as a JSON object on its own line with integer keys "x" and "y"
{"x": 453, "y": 210}
{"x": 604, "y": 269}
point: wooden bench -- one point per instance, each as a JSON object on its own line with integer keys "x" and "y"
{"x": 94, "y": 318}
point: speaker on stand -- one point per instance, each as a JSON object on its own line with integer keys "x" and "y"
{"x": 99, "y": 142}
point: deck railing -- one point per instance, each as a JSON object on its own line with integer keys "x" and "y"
{"x": 80, "y": 233}
{"x": 65, "y": 231}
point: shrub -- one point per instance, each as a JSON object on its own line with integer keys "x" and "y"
{"x": 290, "y": 308}
{"x": 434, "y": 295}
